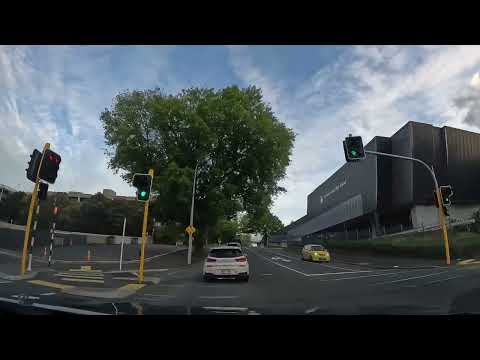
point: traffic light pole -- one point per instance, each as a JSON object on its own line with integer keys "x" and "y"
{"x": 441, "y": 215}
{"x": 144, "y": 236}
{"x": 33, "y": 201}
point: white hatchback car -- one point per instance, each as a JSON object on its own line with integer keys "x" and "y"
{"x": 226, "y": 262}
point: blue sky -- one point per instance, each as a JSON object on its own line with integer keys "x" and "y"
{"x": 322, "y": 92}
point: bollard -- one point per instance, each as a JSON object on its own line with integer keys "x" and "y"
{"x": 88, "y": 255}
{"x": 45, "y": 251}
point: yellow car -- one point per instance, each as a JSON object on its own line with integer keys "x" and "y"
{"x": 315, "y": 253}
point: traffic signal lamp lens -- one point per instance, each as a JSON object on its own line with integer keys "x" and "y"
{"x": 143, "y": 193}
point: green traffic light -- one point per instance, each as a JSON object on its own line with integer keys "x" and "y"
{"x": 143, "y": 193}
{"x": 353, "y": 152}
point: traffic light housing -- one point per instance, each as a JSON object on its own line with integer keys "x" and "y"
{"x": 50, "y": 166}
{"x": 143, "y": 183}
{"x": 353, "y": 148}
{"x": 445, "y": 206}
{"x": 447, "y": 193}
{"x": 33, "y": 164}
{"x": 42, "y": 191}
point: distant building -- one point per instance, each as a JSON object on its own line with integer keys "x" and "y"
{"x": 381, "y": 195}
{"x": 108, "y": 193}
{"x": 5, "y": 190}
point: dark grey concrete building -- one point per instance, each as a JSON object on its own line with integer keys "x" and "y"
{"x": 382, "y": 195}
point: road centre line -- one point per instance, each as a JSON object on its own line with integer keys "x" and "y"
{"x": 411, "y": 278}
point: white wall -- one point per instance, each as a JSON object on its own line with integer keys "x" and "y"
{"x": 428, "y": 215}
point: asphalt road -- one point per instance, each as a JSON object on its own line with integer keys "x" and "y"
{"x": 280, "y": 283}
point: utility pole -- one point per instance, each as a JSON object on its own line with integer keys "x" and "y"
{"x": 190, "y": 233}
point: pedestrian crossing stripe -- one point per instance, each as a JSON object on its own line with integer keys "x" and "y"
{"x": 84, "y": 274}
{"x": 80, "y": 276}
{"x": 83, "y": 280}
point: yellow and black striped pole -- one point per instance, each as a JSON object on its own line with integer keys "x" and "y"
{"x": 52, "y": 231}
{"x": 32, "y": 242}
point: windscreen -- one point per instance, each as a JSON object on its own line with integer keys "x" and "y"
{"x": 225, "y": 253}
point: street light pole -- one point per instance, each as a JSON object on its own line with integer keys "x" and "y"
{"x": 189, "y": 260}
{"x": 441, "y": 215}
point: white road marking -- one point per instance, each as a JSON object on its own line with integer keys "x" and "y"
{"x": 218, "y": 297}
{"x": 225, "y": 308}
{"x": 158, "y": 295}
{"x": 341, "y": 273}
{"x": 79, "y": 276}
{"x": 336, "y": 267}
{"x": 309, "y": 311}
{"x": 83, "y": 280}
{"x": 48, "y": 294}
{"x": 130, "y": 271}
{"x": 441, "y": 280}
{"x": 267, "y": 274}
{"x": 330, "y": 266}
{"x": 126, "y": 278}
{"x": 67, "y": 309}
{"x": 411, "y": 278}
{"x": 28, "y": 297}
{"x": 286, "y": 267}
{"x": 173, "y": 285}
{"x": 307, "y": 275}
{"x": 5, "y": 282}
{"x": 367, "y": 276}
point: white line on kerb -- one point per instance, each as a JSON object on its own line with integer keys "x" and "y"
{"x": 411, "y": 278}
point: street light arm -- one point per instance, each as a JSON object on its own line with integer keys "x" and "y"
{"x": 407, "y": 158}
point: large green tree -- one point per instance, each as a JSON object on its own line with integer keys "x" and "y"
{"x": 263, "y": 222}
{"x": 241, "y": 148}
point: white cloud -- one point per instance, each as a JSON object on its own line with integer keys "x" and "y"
{"x": 475, "y": 82}
{"x": 37, "y": 82}
{"x": 369, "y": 91}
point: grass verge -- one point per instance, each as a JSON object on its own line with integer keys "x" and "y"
{"x": 429, "y": 245}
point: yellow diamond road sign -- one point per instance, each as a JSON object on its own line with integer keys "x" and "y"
{"x": 190, "y": 229}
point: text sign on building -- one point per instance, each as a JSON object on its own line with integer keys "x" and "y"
{"x": 334, "y": 190}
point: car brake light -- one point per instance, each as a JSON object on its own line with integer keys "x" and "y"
{"x": 209, "y": 259}
{"x": 241, "y": 259}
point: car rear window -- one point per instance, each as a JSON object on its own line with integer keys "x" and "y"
{"x": 225, "y": 253}
{"x": 317, "y": 248}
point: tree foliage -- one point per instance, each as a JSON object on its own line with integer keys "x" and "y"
{"x": 241, "y": 148}
{"x": 264, "y": 223}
